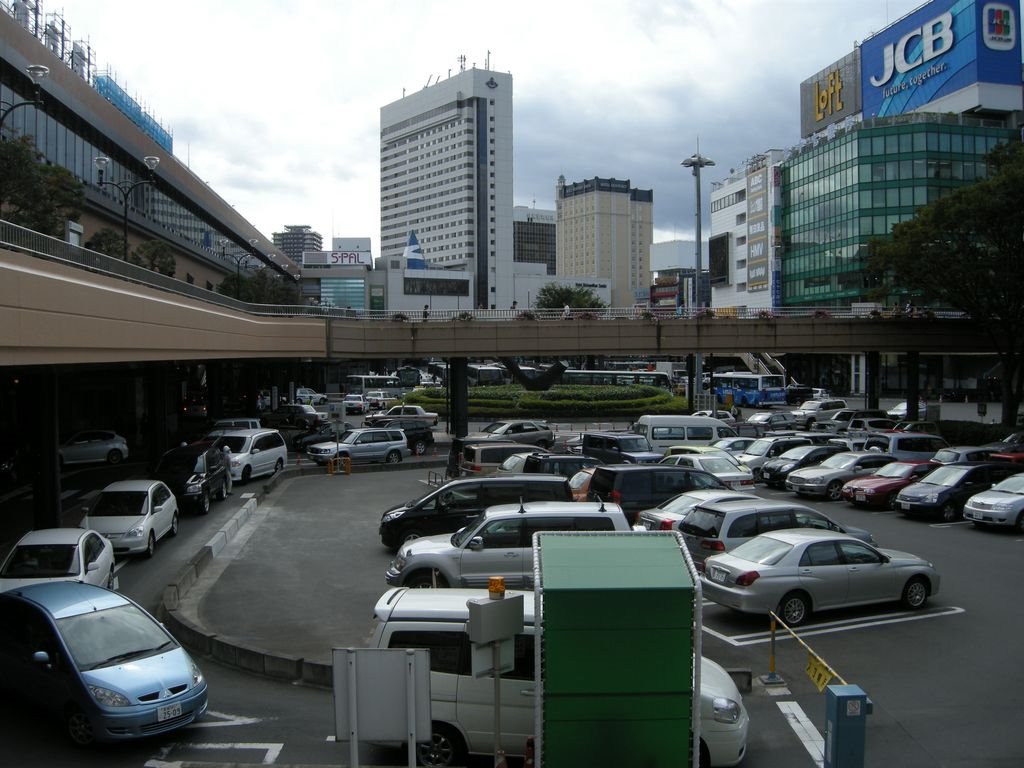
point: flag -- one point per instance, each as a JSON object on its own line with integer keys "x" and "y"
{"x": 413, "y": 254}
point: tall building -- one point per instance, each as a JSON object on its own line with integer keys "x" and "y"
{"x": 446, "y": 174}
{"x": 605, "y": 229}
{"x": 297, "y": 239}
{"x": 534, "y": 237}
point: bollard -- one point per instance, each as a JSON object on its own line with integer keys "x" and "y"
{"x": 346, "y": 462}
{"x": 331, "y": 469}
{"x": 772, "y": 678}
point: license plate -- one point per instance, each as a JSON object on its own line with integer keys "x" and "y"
{"x": 860, "y": 497}
{"x": 168, "y": 712}
{"x": 717, "y": 574}
{"x": 903, "y": 504}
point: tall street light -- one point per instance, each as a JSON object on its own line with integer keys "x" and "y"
{"x": 126, "y": 187}
{"x": 695, "y": 162}
{"x": 36, "y": 73}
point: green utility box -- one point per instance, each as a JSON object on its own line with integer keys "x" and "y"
{"x": 618, "y": 616}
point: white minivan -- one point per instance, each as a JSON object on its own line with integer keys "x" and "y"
{"x": 255, "y": 452}
{"x": 664, "y": 431}
{"x": 461, "y": 704}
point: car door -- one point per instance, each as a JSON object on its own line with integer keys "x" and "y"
{"x": 871, "y": 579}
{"x": 497, "y": 549}
{"x": 454, "y": 508}
{"x": 161, "y": 508}
{"x": 93, "y": 550}
{"x": 824, "y": 574}
{"x": 23, "y": 631}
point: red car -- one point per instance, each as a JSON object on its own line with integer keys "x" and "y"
{"x": 879, "y": 490}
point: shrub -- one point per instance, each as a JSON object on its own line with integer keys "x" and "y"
{"x": 400, "y": 317}
{"x": 526, "y": 314}
{"x": 821, "y": 314}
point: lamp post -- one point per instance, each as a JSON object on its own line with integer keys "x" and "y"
{"x": 695, "y": 162}
{"x": 126, "y": 187}
{"x": 36, "y": 73}
{"x": 239, "y": 260}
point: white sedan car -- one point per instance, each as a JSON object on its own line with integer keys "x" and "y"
{"x": 735, "y": 476}
{"x": 59, "y": 554}
{"x": 1001, "y": 505}
{"x": 134, "y": 514}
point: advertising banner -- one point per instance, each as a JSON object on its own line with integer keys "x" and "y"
{"x": 757, "y": 230}
{"x": 831, "y": 95}
{"x": 937, "y": 50}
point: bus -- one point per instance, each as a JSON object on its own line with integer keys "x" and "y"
{"x": 617, "y": 378}
{"x": 754, "y": 389}
{"x": 485, "y": 375}
{"x": 360, "y": 384}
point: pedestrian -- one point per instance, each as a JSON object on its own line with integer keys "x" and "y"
{"x": 566, "y": 312}
{"x": 426, "y": 311}
{"x": 514, "y": 305}
{"x": 735, "y": 412}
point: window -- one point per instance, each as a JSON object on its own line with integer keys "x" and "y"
{"x": 449, "y": 651}
{"x": 502, "y": 534}
{"x": 775, "y": 521}
{"x": 743, "y": 527}
{"x": 855, "y": 552}
{"x": 821, "y": 553}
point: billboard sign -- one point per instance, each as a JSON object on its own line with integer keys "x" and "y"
{"x": 757, "y": 229}
{"x": 718, "y": 259}
{"x": 831, "y": 95}
{"x": 937, "y": 50}
{"x": 337, "y": 259}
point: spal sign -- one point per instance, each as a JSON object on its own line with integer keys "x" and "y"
{"x": 938, "y": 50}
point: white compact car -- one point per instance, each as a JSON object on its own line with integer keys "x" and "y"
{"x": 134, "y": 515}
{"x": 59, "y": 554}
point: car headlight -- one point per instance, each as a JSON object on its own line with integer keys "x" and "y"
{"x": 399, "y": 562}
{"x": 786, "y": 467}
{"x": 816, "y": 481}
{"x": 930, "y": 498}
{"x": 1003, "y": 506}
{"x": 390, "y": 516}
{"x": 197, "y": 675}
{"x": 107, "y": 697}
{"x": 193, "y": 487}
{"x": 135, "y": 531}
{"x": 866, "y": 491}
{"x": 725, "y": 710}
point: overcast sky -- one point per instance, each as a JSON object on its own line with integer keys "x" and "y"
{"x": 276, "y": 105}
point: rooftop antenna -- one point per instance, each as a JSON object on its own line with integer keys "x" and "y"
{"x": 487, "y": 61}
{"x": 429, "y": 77}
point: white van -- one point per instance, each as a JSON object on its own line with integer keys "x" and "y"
{"x": 662, "y": 432}
{"x": 461, "y": 705}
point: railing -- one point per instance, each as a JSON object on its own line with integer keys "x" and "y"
{"x": 41, "y": 246}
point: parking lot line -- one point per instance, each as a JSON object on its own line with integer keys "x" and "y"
{"x": 804, "y": 730}
{"x": 830, "y": 627}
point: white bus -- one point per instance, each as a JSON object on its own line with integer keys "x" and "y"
{"x": 360, "y": 384}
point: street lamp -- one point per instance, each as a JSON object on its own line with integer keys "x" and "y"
{"x": 36, "y": 73}
{"x": 697, "y": 161}
{"x": 126, "y": 187}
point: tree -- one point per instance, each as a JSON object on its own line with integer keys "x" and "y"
{"x": 35, "y": 195}
{"x": 155, "y": 255}
{"x": 966, "y": 251}
{"x": 555, "y": 296}
{"x": 107, "y": 241}
{"x": 264, "y": 287}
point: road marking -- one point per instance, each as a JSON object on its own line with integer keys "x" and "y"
{"x": 270, "y": 750}
{"x": 225, "y": 719}
{"x": 949, "y": 525}
{"x": 825, "y": 628}
{"x": 804, "y": 730}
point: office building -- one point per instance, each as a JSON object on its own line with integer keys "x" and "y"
{"x": 604, "y": 230}
{"x": 446, "y": 174}
{"x": 534, "y": 237}
{"x": 296, "y": 240}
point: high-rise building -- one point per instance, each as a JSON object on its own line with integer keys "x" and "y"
{"x": 605, "y": 229}
{"x": 534, "y": 237}
{"x": 446, "y": 173}
{"x": 296, "y": 239}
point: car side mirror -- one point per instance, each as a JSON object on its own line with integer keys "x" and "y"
{"x": 93, "y": 566}
{"x": 476, "y": 543}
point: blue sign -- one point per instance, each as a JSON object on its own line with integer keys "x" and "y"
{"x": 937, "y": 50}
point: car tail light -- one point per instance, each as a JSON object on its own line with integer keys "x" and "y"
{"x": 748, "y": 578}
{"x": 665, "y": 525}
{"x": 615, "y": 497}
{"x": 715, "y": 545}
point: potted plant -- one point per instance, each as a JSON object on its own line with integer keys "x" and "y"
{"x": 526, "y": 314}
{"x": 465, "y": 316}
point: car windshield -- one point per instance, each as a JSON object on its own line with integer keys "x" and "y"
{"x": 759, "y": 417}
{"x": 839, "y": 461}
{"x": 798, "y": 453}
{"x": 119, "y": 504}
{"x": 759, "y": 447}
{"x": 717, "y": 465}
{"x": 495, "y": 428}
{"x": 946, "y": 476}
{"x": 41, "y": 561}
{"x": 99, "y": 639}
{"x": 581, "y": 478}
{"x": 1014, "y": 484}
{"x": 763, "y": 550}
{"x": 810, "y": 405}
{"x": 896, "y": 469}
{"x": 235, "y": 443}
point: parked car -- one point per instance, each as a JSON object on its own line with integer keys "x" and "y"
{"x": 641, "y": 486}
{"x": 543, "y": 462}
{"x": 255, "y": 452}
{"x": 827, "y": 478}
{"x": 879, "y": 490}
{"x": 725, "y": 416}
{"x": 733, "y": 475}
{"x": 580, "y": 484}
{"x": 954, "y": 454}
{"x": 798, "y": 571}
{"x": 458, "y": 502}
{"x": 1012, "y": 443}
{"x": 840, "y": 420}
{"x": 235, "y": 422}
{"x": 905, "y": 446}
{"x": 98, "y": 662}
{"x": 196, "y": 473}
{"x": 497, "y": 543}
{"x": 944, "y": 491}
{"x": 798, "y": 393}
{"x": 899, "y": 411}
{"x": 418, "y": 434}
{"x": 929, "y": 427}
{"x": 415, "y": 411}
{"x": 525, "y": 431}
{"x": 665, "y": 430}
{"x": 719, "y": 526}
{"x": 768, "y": 447}
{"x": 307, "y": 396}
{"x": 734, "y": 445}
{"x": 352, "y": 403}
{"x": 378, "y": 399}
{"x": 667, "y": 515}
{"x": 870, "y": 424}
{"x": 362, "y": 446}
{"x": 134, "y": 515}
{"x": 319, "y": 434}
{"x": 775, "y": 471}
{"x": 811, "y": 411}
{"x": 481, "y": 458}
{"x": 59, "y": 554}
{"x": 93, "y": 445}
{"x": 301, "y": 416}
{"x": 619, "y": 448}
{"x": 1001, "y": 505}
{"x": 773, "y": 419}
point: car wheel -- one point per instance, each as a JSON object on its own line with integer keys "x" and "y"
{"x": 222, "y": 492}
{"x": 150, "y": 545}
{"x": 393, "y": 457}
{"x": 110, "y": 578}
{"x": 246, "y": 473}
{"x": 445, "y": 748}
{"x": 810, "y": 424}
{"x": 114, "y": 457}
{"x": 204, "y": 503}
{"x": 410, "y": 534}
{"x": 834, "y": 490}
{"x": 794, "y": 608}
{"x": 78, "y": 726}
{"x": 948, "y": 512}
{"x": 705, "y": 755}
{"x": 419, "y": 447}
{"x": 279, "y": 466}
{"x": 425, "y": 580}
{"x": 174, "y": 526}
{"x": 915, "y": 593}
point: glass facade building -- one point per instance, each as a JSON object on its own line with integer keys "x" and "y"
{"x": 840, "y": 194}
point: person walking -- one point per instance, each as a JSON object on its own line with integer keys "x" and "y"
{"x": 566, "y": 312}
{"x": 426, "y": 311}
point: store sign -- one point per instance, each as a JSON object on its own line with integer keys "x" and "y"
{"x": 831, "y": 95}
{"x": 337, "y": 259}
